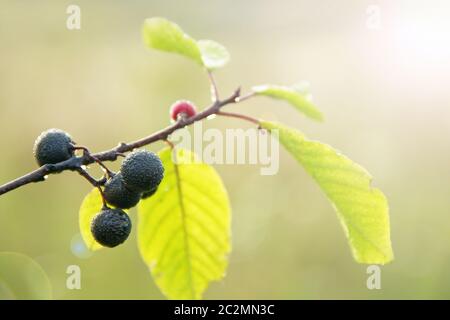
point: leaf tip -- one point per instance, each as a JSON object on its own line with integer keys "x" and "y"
{"x": 381, "y": 260}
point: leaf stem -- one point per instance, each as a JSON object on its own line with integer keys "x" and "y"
{"x": 238, "y": 116}
{"x": 214, "y": 90}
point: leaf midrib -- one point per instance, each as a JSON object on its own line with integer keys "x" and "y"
{"x": 183, "y": 222}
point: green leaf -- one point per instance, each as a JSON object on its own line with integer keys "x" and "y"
{"x": 363, "y": 210}
{"x": 161, "y": 34}
{"x": 91, "y": 205}
{"x": 184, "y": 228}
{"x": 214, "y": 55}
{"x": 22, "y": 278}
{"x": 303, "y": 88}
{"x": 290, "y": 94}
{"x": 164, "y": 35}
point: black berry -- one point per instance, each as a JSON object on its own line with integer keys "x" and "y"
{"x": 148, "y": 194}
{"x": 118, "y": 195}
{"x": 52, "y": 146}
{"x": 142, "y": 171}
{"x": 111, "y": 227}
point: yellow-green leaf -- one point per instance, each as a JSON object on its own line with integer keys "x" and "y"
{"x": 22, "y": 278}
{"x": 165, "y": 35}
{"x": 162, "y": 34}
{"x": 184, "y": 228}
{"x": 295, "y": 97}
{"x": 91, "y": 205}
{"x": 362, "y": 210}
{"x": 214, "y": 55}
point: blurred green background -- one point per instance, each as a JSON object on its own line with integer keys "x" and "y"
{"x": 384, "y": 92}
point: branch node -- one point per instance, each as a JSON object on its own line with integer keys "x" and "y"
{"x": 122, "y": 146}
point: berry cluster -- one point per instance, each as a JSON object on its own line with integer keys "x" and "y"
{"x": 139, "y": 177}
{"x": 140, "y": 174}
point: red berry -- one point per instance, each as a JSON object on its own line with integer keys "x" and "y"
{"x": 182, "y": 106}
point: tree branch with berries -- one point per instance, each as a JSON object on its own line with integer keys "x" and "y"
{"x": 184, "y": 215}
{"x": 67, "y": 162}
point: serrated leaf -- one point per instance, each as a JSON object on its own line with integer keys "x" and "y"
{"x": 300, "y": 101}
{"x": 214, "y": 55}
{"x": 362, "y": 210}
{"x": 184, "y": 228}
{"x": 22, "y": 278}
{"x": 91, "y": 205}
{"x": 165, "y": 35}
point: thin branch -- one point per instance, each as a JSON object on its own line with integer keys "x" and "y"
{"x": 238, "y": 116}
{"x": 40, "y": 174}
{"x": 75, "y": 163}
{"x": 94, "y": 182}
{"x": 246, "y": 97}
{"x": 91, "y": 179}
{"x": 88, "y": 154}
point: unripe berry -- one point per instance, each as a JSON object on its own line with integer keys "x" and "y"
{"x": 142, "y": 171}
{"x": 182, "y": 106}
{"x": 52, "y": 146}
{"x": 118, "y": 195}
{"x": 111, "y": 227}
